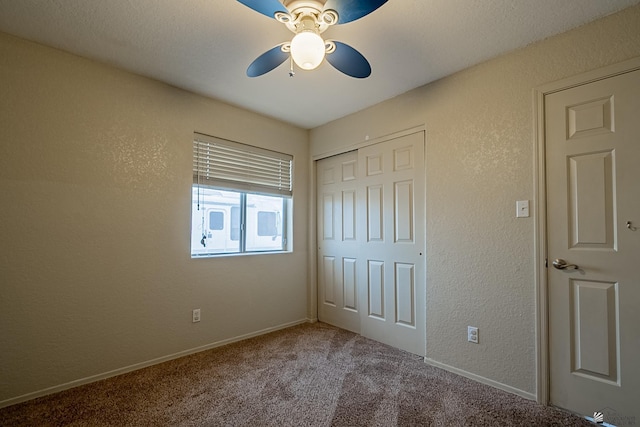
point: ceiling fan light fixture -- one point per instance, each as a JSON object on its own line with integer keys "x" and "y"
{"x": 308, "y": 20}
{"x": 307, "y": 49}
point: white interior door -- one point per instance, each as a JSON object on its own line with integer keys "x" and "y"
{"x": 593, "y": 220}
{"x": 337, "y": 180}
{"x": 391, "y": 227}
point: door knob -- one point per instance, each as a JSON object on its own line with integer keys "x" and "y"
{"x": 561, "y": 264}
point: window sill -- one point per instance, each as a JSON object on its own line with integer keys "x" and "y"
{"x": 206, "y": 256}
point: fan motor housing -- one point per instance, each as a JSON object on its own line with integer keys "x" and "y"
{"x": 305, "y": 15}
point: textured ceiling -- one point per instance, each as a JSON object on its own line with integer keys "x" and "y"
{"x": 205, "y": 46}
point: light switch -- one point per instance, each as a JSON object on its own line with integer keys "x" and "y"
{"x": 522, "y": 209}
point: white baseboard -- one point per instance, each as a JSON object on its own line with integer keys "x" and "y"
{"x": 136, "y": 366}
{"x": 480, "y": 379}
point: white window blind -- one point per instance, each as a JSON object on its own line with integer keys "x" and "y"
{"x": 226, "y": 164}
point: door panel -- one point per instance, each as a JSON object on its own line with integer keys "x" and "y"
{"x": 328, "y": 217}
{"x": 328, "y": 280}
{"x": 338, "y": 301}
{"x": 376, "y": 289}
{"x": 593, "y": 190}
{"x": 349, "y": 215}
{"x": 591, "y": 200}
{"x": 403, "y": 212}
{"x": 595, "y": 345}
{"x": 392, "y": 189}
{"x": 405, "y": 294}
{"x": 375, "y": 214}
{"x": 350, "y": 283}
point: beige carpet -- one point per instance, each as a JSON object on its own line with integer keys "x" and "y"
{"x": 308, "y": 375}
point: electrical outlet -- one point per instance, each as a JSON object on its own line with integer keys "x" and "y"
{"x": 472, "y": 334}
{"x": 196, "y": 315}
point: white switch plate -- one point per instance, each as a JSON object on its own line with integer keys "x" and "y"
{"x": 196, "y": 315}
{"x": 522, "y": 209}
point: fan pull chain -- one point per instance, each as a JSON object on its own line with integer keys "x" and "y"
{"x": 291, "y": 72}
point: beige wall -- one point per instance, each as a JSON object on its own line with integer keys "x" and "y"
{"x": 95, "y": 181}
{"x": 480, "y": 147}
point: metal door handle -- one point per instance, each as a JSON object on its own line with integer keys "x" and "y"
{"x": 561, "y": 264}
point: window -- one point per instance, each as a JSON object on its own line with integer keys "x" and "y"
{"x": 241, "y": 198}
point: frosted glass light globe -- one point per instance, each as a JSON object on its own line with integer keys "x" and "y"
{"x": 307, "y": 50}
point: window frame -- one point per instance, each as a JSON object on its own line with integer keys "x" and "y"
{"x": 269, "y": 173}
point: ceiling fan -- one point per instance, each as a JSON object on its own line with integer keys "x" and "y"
{"x": 307, "y": 19}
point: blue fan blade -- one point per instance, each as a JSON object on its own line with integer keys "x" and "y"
{"x": 267, "y": 61}
{"x": 350, "y": 10}
{"x": 266, "y": 7}
{"x": 349, "y": 61}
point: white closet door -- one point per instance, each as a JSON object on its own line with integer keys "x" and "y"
{"x": 371, "y": 242}
{"x": 338, "y": 302}
{"x": 391, "y": 254}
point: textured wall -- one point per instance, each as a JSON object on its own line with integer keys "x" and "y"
{"x": 95, "y": 267}
{"x": 480, "y": 268}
